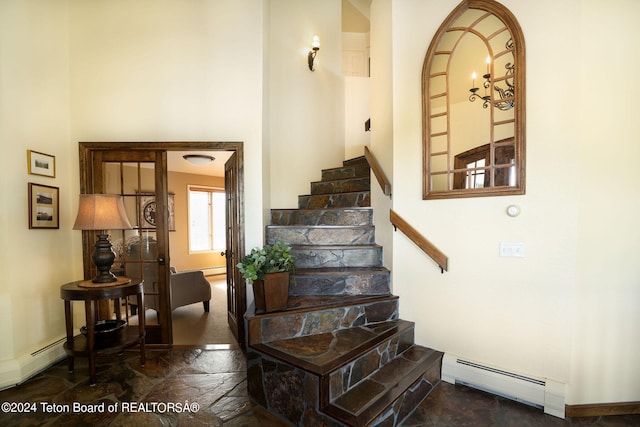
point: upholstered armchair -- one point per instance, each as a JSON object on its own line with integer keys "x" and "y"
{"x": 187, "y": 287}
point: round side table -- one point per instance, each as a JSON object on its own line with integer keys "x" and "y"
{"x": 91, "y": 294}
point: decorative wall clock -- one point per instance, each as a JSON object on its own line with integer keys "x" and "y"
{"x": 148, "y": 211}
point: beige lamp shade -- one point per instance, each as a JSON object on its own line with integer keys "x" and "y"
{"x": 101, "y": 212}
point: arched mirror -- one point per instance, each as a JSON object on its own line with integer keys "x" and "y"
{"x": 473, "y": 96}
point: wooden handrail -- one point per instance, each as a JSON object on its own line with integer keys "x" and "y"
{"x": 378, "y": 172}
{"x": 417, "y": 238}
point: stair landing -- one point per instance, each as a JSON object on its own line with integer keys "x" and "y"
{"x": 325, "y": 352}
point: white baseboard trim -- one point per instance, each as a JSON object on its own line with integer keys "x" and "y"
{"x": 215, "y": 271}
{"x": 18, "y": 370}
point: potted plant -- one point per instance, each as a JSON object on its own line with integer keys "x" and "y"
{"x": 268, "y": 269}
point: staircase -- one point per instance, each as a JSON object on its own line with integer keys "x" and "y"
{"x": 339, "y": 355}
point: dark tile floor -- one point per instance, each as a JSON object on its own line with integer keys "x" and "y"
{"x": 213, "y": 385}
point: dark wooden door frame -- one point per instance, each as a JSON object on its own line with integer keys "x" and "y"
{"x": 87, "y": 148}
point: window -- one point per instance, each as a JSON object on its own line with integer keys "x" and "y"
{"x": 206, "y": 219}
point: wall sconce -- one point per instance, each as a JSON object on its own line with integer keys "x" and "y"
{"x": 315, "y": 47}
{"x": 102, "y": 212}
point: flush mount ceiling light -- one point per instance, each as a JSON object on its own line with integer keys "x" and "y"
{"x": 198, "y": 159}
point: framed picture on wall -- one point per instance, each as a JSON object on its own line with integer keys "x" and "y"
{"x": 148, "y": 211}
{"x": 44, "y": 206}
{"x": 41, "y": 164}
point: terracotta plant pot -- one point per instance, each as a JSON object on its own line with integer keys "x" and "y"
{"x": 271, "y": 294}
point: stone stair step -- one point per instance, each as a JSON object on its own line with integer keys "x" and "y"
{"x": 338, "y": 354}
{"x": 324, "y": 353}
{"x": 348, "y": 185}
{"x": 331, "y": 216}
{"x": 360, "y": 160}
{"x": 317, "y": 314}
{"x": 349, "y": 375}
{"x": 337, "y": 256}
{"x": 321, "y": 234}
{"x": 346, "y": 171}
{"x": 341, "y": 281}
{"x": 341, "y": 200}
{"x": 392, "y": 393}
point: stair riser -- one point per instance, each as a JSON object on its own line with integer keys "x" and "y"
{"x": 278, "y": 327}
{"x": 345, "y": 216}
{"x": 341, "y": 186}
{"x": 406, "y": 404}
{"x": 291, "y": 393}
{"x": 322, "y": 235}
{"x": 376, "y": 283}
{"x": 391, "y": 393}
{"x": 350, "y": 375}
{"x": 286, "y": 391}
{"x": 338, "y": 355}
{"x": 344, "y": 200}
{"x": 337, "y": 257}
{"x": 346, "y": 172}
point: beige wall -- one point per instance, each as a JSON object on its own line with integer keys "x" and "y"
{"x": 179, "y": 239}
{"x": 306, "y": 109}
{"x": 569, "y": 311}
{"x": 110, "y": 70}
{"x": 382, "y": 120}
{"x": 101, "y": 70}
{"x": 178, "y": 183}
{"x": 34, "y": 114}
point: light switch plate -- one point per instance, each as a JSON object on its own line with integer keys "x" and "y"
{"x": 512, "y": 250}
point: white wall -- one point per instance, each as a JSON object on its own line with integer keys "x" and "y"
{"x": 357, "y": 92}
{"x": 382, "y": 120}
{"x": 306, "y": 109}
{"x": 357, "y": 109}
{"x": 607, "y": 290}
{"x": 111, "y": 70}
{"x": 166, "y": 70}
{"x": 106, "y": 70}
{"x": 34, "y": 115}
{"x": 569, "y": 310}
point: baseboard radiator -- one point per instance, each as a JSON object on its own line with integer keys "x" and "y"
{"x": 541, "y": 393}
{"x": 215, "y": 271}
{"x": 17, "y": 370}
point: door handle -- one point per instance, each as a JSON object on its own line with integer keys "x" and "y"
{"x": 223, "y": 253}
{"x": 161, "y": 260}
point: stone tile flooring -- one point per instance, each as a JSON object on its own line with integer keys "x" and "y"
{"x": 215, "y": 380}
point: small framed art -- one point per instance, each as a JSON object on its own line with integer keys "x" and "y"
{"x": 44, "y": 206}
{"x": 41, "y": 164}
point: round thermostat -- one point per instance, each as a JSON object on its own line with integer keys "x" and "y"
{"x": 513, "y": 210}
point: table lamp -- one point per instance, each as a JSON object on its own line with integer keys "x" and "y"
{"x": 102, "y": 212}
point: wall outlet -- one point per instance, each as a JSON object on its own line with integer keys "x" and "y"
{"x": 512, "y": 250}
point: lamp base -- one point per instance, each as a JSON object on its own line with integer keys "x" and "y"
{"x": 105, "y": 278}
{"x": 103, "y": 258}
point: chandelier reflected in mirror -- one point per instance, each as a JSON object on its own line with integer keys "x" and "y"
{"x": 506, "y": 97}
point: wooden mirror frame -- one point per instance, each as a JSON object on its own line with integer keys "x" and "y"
{"x": 519, "y": 136}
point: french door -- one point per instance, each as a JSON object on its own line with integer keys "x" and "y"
{"x": 235, "y": 284}
{"x": 138, "y": 171}
{"x": 141, "y": 253}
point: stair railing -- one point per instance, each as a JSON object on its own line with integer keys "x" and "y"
{"x": 385, "y": 184}
{"x": 417, "y": 238}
